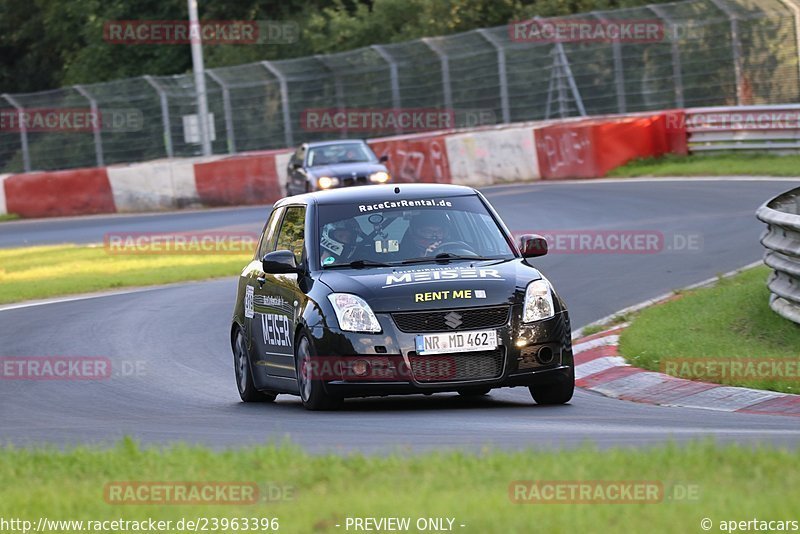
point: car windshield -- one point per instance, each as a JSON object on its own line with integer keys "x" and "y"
{"x": 402, "y": 231}
{"x": 340, "y": 153}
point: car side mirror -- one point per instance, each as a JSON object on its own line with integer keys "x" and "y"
{"x": 279, "y": 262}
{"x": 384, "y": 158}
{"x": 532, "y": 245}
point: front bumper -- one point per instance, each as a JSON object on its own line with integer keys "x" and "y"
{"x": 529, "y": 355}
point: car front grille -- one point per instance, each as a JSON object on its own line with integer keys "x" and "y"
{"x": 347, "y": 181}
{"x": 459, "y": 366}
{"x": 439, "y": 320}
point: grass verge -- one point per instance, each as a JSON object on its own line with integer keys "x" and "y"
{"x": 50, "y": 271}
{"x": 729, "y": 322}
{"x": 606, "y": 325}
{"x": 699, "y": 480}
{"x": 8, "y": 217}
{"x": 753, "y": 164}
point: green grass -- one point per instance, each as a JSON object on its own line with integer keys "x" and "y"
{"x": 49, "y": 271}
{"x": 731, "y": 320}
{"x": 730, "y": 482}
{"x": 8, "y": 217}
{"x": 752, "y": 164}
{"x": 613, "y": 321}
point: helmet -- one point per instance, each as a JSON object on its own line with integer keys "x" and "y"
{"x": 345, "y": 231}
{"x": 339, "y": 237}
{"x": 428, "y": 227}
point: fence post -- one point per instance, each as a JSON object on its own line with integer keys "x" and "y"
{"x": 501, "y": 72}
{"x": 226, "y": 107}
{"x": 162, "y": 96}
{"x": 677, "y": 73}
{"x": 23, "y": 131}
{"x": 394, "y": 79}
{"x": 619, "y": 73}
{"x": 338, "y": 87}
{"x": 446, "y": 89}
{"x": 287, "y": 118}
{"x": 736, "y": 46}
{"x": 96, "y": 127}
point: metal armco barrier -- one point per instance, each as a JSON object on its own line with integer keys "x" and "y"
{"x": 782, "y": 241}
{"x": 774, "y": 127}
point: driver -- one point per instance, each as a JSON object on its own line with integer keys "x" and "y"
{"x": 426, "y": 231}
{"x": 339, "y": 241}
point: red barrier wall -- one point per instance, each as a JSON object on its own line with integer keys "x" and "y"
{"x": 415, "y": 158}
{"x": 59, "y": 193}
{"x": 565, "y": 151}
{"x": 250, "y": 179}
{"x": 591, "y": 148}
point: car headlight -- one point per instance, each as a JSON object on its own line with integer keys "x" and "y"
{"x": 353, "y": 314}
{"x": 538, "y": 302}
{"x": 326, "y": 182}
{"x": 379, "y": 177}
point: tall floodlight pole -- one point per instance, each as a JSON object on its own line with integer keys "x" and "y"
{"x": 199, "y": 77}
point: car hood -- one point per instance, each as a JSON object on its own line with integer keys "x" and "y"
{"x": 433, "y": 286}
{"x": 340, "y": 170}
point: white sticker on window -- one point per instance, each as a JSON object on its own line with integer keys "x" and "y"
{"x": 333, "y": 246}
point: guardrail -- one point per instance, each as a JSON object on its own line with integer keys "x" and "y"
{"x": 774, "y": 127}
{"x": 782, "y": 241}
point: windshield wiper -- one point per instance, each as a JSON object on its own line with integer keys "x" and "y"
{"x": 444, "y": 256}
{"x": 358, "y": 264}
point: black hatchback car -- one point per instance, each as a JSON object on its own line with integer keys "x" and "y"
{"x": 334, "y": 164}
{"x": 415, "y": 288}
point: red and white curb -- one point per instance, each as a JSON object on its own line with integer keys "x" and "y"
{"x": 600, "y": 368}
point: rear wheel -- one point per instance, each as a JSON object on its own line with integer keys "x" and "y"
{"x": 556, "y": 393}
{"x": 312, "y": 392}
{"x": 244, "y": 376}
{"x": 474, "y": 392}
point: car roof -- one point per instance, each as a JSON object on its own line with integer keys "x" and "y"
{"x": 378, "y": 193}
{"x": 336, "y": 142}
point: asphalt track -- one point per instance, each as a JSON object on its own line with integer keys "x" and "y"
{"x": 184, "y": 389}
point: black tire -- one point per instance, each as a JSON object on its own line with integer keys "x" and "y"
{"x": 474, "y": 392}
{"x": 556, "y": 393}
{"x": 244, "y": 374}
{"x": 312, "y": 392}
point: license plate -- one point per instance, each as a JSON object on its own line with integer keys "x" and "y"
{"x": 456, "y": 342}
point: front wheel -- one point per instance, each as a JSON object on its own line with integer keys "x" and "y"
{"x": 312, "y": 392}
{"x": 244, "y": 376}
{"x": 559, "y": 392}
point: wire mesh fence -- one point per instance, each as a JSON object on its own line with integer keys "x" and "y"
{"x": 705, "y": 52}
